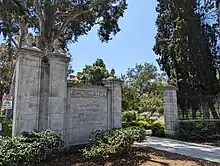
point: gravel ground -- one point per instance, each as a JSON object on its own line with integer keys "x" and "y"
{"x": 138, "y": 157}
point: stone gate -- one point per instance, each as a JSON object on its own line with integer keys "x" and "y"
{"x": 44, "y": 99}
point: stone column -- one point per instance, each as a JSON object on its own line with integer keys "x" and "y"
{"x": 57, "y": 100}
{"x": 27, "y": 91}
{"x": 170, "y": 110}
{"x": 114, "y": 102}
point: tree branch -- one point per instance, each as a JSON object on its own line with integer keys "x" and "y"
{"x": 63, "y": 26}
{"x": 41, "y": 18}
{"x": 71, "y": 18}
{"x": 39, "y": 11}
{"x": 13, "y": 41}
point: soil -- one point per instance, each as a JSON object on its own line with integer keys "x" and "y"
{"x": 138, "y": 157}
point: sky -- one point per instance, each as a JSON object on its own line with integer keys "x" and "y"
{"x": 133, "y": 44}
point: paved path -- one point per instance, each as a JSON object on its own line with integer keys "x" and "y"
{"x": 206, "y": 152}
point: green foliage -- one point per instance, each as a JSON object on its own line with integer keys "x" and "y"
{"x": 7, "y": 127}
{"x": 6, "y": 68}
{"x": 144, "y": 123}
{"x": 198, "y": 130}
{"x": 158, "y": 130}
{"x": 29, "y": 148}
{"x": 151, "y": 102}
{"x": 95, "y": 73}
{"x": 130, "y": 98}
{"x": 1, "y": 111}
{"x": 112, "y": 142}
{"x": 129, "y": 124}
{"x": 187, "y": 45}
{"x": 64, "y": 20}
{"x": 129, "y": 116}
{"x": 142, "y": 88}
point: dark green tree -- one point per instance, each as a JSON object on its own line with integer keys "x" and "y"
{"x": 95, "y": 73}
{"x": 7, "y": 58}
{"x": 186, "y": 46}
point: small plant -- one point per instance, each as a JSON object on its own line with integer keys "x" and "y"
{"x": 129, "y": 124}
{"x": 129, "y": 116}
{"x": 158, "y": 130}
{"x": 7, "y": 127}
{"x": 146, "y": 124}
{"x": 112, "y": 142}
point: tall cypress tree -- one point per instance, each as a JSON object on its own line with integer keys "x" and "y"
{"x": 184, "y": 44}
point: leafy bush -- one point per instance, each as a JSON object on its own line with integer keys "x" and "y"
{"x": 7, "y": 127}
{"x": 129, "y": 124}
{"x": 129, "y": 116}
{"x": 199, "y": 130}
{"x": 146, "y": 124}
{"x": 111, "y": 142}
{"x": 29, "y": 148}
{"x": 158, "y": 130}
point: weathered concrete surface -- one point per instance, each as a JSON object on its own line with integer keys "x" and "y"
{"x": 87, "y": 112}
{"x": 27, "y": 91}
{"x": 45, "y": 100}
{"x": 57, "y": 101}
{"x": 170, "y": 111}
{"x": 205, "y": 152}
{"x": 115, "y": 102}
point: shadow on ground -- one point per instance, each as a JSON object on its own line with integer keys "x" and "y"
{"x": 138, "y": 156}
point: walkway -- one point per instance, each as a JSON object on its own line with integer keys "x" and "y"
{"x": 205, "y": 152}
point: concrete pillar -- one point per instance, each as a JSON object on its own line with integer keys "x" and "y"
{"x": 114, "y": 102}
{"x": 170, "y": 110}
{"x": 44, "y": 95}
{"x": 57, "y": 100}
{"x": 27, "y": 91}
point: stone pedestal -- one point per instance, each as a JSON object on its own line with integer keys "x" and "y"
{"x": 27, "y": 88}
{"x": 57, "y": 102}
{"x": 114, "y": 102}
{"x": 170, "y": 110}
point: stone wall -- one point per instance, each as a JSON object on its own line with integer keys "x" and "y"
{"x": 44, "y": 100}
{"x": 87, "y": 112}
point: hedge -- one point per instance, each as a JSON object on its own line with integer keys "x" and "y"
{"x": 199, "y": 130}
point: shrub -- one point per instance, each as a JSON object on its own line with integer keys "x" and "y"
{"x": 129, "y": 124}
{"x": 129, "y": 116}
{"x": 146, "y": 124}
{"x": 111, "y": 142}
{"x": 199, "y": 130}
{"x": 7, "y": 127}
{"x": 29, "y": 148}
{"x": 158, "y": 130}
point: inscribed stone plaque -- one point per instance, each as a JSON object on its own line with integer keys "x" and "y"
{"x": 88, "y": 94}
{"x": 88, "y": 111}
